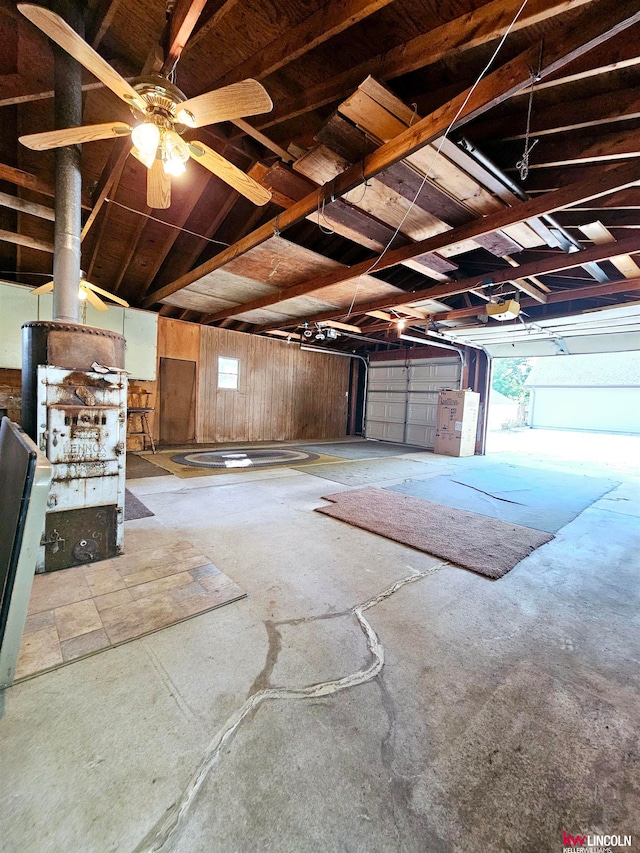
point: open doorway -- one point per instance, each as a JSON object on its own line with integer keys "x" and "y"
{"x": 572, "y": 409}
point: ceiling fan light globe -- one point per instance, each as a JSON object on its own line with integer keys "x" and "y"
{"x": 146, "y": 159}
{"x": 146, "y": 138}
{"x": 174, "y": 147}
{"x": 174, "y": 167}
{"x": 82, "y": 294}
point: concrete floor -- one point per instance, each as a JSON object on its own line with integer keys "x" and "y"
{"x": 506, "y": 712}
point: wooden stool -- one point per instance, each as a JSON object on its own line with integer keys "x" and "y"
{"x": 144, "y": 430}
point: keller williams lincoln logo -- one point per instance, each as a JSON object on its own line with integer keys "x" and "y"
{"x": 593, "y": 843}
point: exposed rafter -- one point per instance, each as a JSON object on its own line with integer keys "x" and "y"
{"x": 440, "y": 291}
{"x": 462, "y": 34}
{"x": 566, "y": 44}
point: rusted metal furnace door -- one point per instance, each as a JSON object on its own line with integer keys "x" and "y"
{"x": 177, "y": 401}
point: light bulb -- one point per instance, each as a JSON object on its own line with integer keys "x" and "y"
{"x": 82, "y": 294}
{"x": 174, "y": 147}
{"x": 173, "y": 167}
{"x": 401, "y": 325}
{"x": 146, "y": 137}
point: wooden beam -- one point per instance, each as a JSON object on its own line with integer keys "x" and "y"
{"x": 103, "y": 17}
{"x": 25, "y": 206}
{"x": 599, "y": 235}
{"x": 109, "y": 176}
{"x": 604, "y": 60}
{"x": 579, "y": 149}
{"x": 13, "y": 100}
{"x": 172, "y": 235}
{"x": 23, "y": 240}
{"x": 25, "y": 180}
{"x": 503, "y": 276}
{"x": 184, "y": 17}
{"x": 186, "y": 258}
{"x": 130, "y": 250}
{"x": 216, "y": 11}
{"x": 563, "y": 45}
{"x": 468, "y": 31}
{"x": 573, "y": 114}
{"x": 610, "y": 288}
{"x": 541, "y": 205}
{"x": 594, "y": 291}
{"x": 260, "y": 137}
{"x": 326, "y": 22}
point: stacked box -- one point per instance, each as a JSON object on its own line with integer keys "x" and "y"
{"x": 457, "y": 423}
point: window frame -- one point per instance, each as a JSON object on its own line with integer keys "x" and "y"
{"x": 228, "y": 373}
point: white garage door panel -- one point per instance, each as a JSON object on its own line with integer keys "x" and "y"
{"x": 386, "y": 411}
{"x": 402, "y": 401}
{"x": 600, "y": 409}
{"x": 433, "y": 377}
{"x": 421, "y": 435}
{"x": 385, "y": 431}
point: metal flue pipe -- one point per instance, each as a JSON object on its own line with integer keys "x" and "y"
{"x": 68, "y": 180}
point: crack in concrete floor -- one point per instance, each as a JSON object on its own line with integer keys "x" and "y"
{"x": 164, "y": 830}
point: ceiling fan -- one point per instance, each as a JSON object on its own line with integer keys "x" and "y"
{"x": 163, "y": 114}
{"x": 88, "y": 291}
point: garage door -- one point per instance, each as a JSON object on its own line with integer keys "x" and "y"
{"x": 402, "y": 398}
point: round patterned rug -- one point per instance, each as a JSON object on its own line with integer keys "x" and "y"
{"x": 243, "y": 458}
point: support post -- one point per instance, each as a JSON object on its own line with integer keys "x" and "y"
{"x": 68, "y": 204}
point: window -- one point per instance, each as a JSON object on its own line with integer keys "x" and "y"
{"x": 228, "y": 370}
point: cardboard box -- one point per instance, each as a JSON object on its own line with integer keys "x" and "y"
{"x": 457, "y": 423}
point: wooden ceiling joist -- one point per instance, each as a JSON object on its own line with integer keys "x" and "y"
{"x": 565, "y": 44}
{"x": 183, "y": 19}
{"x": 603, "y": 182}
{"x": 24, "y": 206}
{"x": 463, "y": 33}
{"x": 27, "y": 242}
{"x": 600, "y": 109}
{"x": 595, "y": 291}
{"x": 325, "y": 23}
{"x": 578, "y": 149}
{"x": 550, "y": 264}
{"x": 25, "y": 180}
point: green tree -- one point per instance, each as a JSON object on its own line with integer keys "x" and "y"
{"x": 509, "y": 375}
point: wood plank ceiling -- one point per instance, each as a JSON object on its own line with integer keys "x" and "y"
{"x": 399, "y": 186}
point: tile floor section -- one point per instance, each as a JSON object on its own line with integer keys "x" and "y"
{"x": 79, "y": 611}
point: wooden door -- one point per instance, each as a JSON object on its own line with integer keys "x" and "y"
{"x": 177, "y": 401}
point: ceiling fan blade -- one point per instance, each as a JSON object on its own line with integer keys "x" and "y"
{"x": 247, "y": 98}
{"x": 158, "y": 187}
{"x": 44, "y": 288}
{"x": 93, "y": 299}
{"x": 67, "y": 38}
{"x": 104, "y": 293}
{"x": 229, "y": 173}
{"x": 74, "y": 135}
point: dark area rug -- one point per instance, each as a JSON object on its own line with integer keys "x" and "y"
{"x": 134, "y": 508}
{"x": 138, "y": 468}
{"x": 533, "y": 497}
{"x": 362, "y": 449}
{"x": 485, "y": 545}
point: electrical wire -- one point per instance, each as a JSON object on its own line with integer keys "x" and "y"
{"x": 168, "y": 224}
{"x": 443, "y": 138}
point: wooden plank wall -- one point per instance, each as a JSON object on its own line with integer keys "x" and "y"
{"x": 284, "y": 393}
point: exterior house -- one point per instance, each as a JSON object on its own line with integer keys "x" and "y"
{"x": 598, "y": 392}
